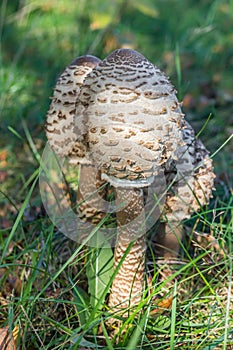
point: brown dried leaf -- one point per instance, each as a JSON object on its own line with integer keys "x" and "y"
{"x": 3, "y": 176}
{"x": 209, "y": 242}
{"x": 10, "y": 282}
{"x": 7, "y": 339}
{"x": 3, "y": 158}
{"x": 162, "y": 306}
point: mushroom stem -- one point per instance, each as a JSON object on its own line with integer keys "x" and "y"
{"x": 168, "y": 238}
{"x": 128, "y": 284}
{"x": 91, "y": 192}
{"x": 91, "y": 202}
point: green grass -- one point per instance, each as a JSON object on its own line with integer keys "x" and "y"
{"x": 43, "y": 279}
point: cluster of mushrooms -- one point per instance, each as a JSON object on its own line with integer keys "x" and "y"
{"x": 121, "y": 116}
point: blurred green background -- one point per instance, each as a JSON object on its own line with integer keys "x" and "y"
{"x": 192, "y": 41}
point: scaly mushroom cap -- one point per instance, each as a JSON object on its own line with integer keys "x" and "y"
{"x": 60, "y": 117}
{"x": 190, "y": 178}
{"x": 61, "y": 134}
{"x": 128, "y": 119}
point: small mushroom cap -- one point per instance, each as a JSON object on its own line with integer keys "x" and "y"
{"x": 60, "y": 117}
{"x": 190, "y": 178}
{"x": 128, "y": 119}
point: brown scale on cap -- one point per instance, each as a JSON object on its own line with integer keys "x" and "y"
{"x": 122, "y": 116}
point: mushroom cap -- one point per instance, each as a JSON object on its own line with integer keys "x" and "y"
{"x": 128, "y": 119}
{"x": 60, "y": 117}
{"x": 190, "y": 178}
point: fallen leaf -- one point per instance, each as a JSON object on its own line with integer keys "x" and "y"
{"x": 10, "y": 282}
{"x": 3, "y": 176}
{"x": 3, "y": 158}
{"x": 162, "y": 306}
{"x": 8, "y": 339}
{"x": 189, "y": 102}
{"x": 100, "y": 20}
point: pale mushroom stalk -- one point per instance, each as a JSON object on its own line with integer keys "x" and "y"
{"x": 91, "y": 195}
{"x": 127, "y": 287}
{"x": 168, "y": 236}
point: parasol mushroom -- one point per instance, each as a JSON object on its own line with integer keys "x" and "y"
{"x": 190, "y": 181}
{"x": 60, "y": 129}
{"x": 121, "y": 116}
